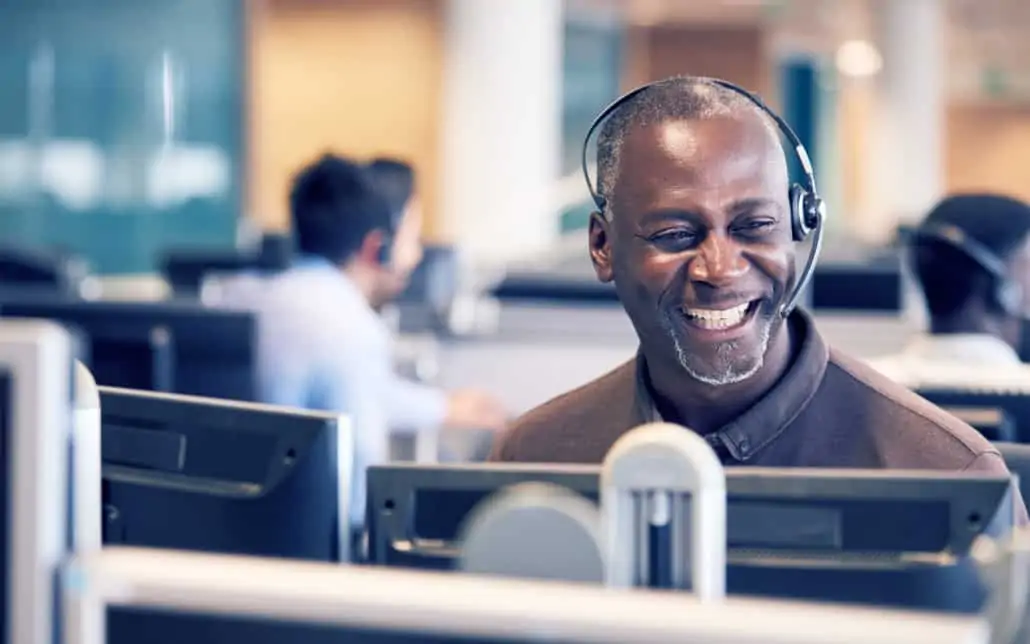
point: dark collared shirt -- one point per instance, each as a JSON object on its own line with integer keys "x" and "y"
{"x": 828, "y": 410}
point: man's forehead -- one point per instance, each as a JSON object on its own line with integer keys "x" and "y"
{"x": 681, "y": 139}
{"x": 731, "y": 148}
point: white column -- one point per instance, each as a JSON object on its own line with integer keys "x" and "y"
{"x": 906, "y": 160}
{"x": 501, "y": 125}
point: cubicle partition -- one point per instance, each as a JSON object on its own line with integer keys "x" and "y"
{"x": 173, "y": 346}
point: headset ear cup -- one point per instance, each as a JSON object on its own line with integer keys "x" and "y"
{"x": 384, "y": 250}
{"x": 798, "y": 220}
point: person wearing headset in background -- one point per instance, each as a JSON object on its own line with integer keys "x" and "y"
{"x": 394, "y": 180}
{"x": 971, "y": 259}
{"x": 322, "y": 345}
{"x": 697, "y": 226}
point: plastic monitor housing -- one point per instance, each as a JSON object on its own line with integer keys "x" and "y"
{"x": 42, "y": 269}
{"x": 166, "y": 346}
{"x": 35, "y": 426}
{"x": 999, "y": 415}
{"x": 86, "y": 505}
{"x": 231, "y": 599}
{"x": 820, "y": 526}
{"x": 210, "y": 475}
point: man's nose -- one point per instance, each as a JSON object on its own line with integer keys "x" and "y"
{"x": 718, "y": 262}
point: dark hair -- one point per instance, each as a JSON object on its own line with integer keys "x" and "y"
{"x": 334, "y": 207}
{"x": 948, "y": 277}
{"x": 680, "y": 97}
{"x": 395, "y": 181}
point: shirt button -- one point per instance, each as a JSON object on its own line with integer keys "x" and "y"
{"x": 744, "y": 446}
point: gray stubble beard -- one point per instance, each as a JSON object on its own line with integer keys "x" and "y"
{"x": 726, "y": 372}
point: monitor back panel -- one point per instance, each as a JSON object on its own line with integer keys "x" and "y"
{"x": 893, "y": 550}
{"x": 191, "y": 477}
{"x": 1013, "y": 410}
{"x": 857, "y": 287}
{"x": 213, "y": 352}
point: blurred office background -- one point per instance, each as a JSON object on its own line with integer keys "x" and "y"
{"x": 129, "y": 130}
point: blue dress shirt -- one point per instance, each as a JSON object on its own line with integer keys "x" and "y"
{"x": 321, "y": 346}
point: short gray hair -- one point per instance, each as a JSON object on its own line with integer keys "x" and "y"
{"x": 680, "y": 97}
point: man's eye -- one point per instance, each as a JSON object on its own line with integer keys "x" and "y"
{"x": 755, "y": 226}
{"x": 674, "y": 239}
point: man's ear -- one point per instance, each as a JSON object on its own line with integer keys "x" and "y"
{"x": 371, "y": 247}
{"x": 600, "y": 246}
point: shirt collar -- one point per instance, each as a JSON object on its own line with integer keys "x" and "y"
{"x": 979, "y": 348}
{"x": 768, "y": 418}
{"x": 314, "y": 262}
{"x": 319, "y": 271}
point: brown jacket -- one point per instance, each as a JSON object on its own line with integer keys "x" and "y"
{"x": 828, "y": 410}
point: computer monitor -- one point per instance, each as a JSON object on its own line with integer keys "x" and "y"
{"x": 35, "y": 423}
{"x": 866, "y": 286}
{"x": 36, "y": 268}
{"x": 180, "y": 347}
{"x": 876, "y": 537}
{"x": 159, "y": 597}
{"x": 424, "y": 306}
{"x": 999, "y": 415}
{"x": 557, "y": 288}
{"x": 218, "y": 476}
{"x": 185, "y": 270}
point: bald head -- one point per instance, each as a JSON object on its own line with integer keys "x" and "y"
{"x": 676, "y": 107}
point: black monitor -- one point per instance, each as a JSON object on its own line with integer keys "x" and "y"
{"x": 186, "y": 269}
{"x": 551, "y": 287}
{"x": 133, "y": 626}
{"x": 180, "y": 347}
{"x": 425, "y": 303}
{"x": 868, "y": 287}
{"x": 218, "y": 476}
{"x": 36, "y": 268}
{"x": 860, "y": 536}
{"x": 999, "y": 416}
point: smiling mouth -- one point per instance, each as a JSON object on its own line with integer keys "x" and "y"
{"x": 720, "y": 319}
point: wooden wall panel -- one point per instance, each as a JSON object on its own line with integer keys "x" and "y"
{"x": 988, "y": 148}
{"x": 356, "y": 77}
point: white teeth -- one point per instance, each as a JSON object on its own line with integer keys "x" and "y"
{"x": 722, "y": 319}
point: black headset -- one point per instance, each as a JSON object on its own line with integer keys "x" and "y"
{"x": 388, "y": 232}
{"x": 385, "y": 256}
{"x": 1007, "y": 294}
{"x": 807, "y": 209}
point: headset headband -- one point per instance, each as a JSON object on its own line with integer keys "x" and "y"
{"x": 808, "y": 182}
{"x": 808, "y": 212}
{"x": 966, "y": 244}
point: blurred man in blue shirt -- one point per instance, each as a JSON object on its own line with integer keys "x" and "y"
{"x": 321, "y": 343}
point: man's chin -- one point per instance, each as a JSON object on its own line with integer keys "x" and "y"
{"x": 722, "y": 361}
{"x": 723, "y": 375}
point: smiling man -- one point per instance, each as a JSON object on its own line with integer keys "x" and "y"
{"x": 696, "y": 235}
